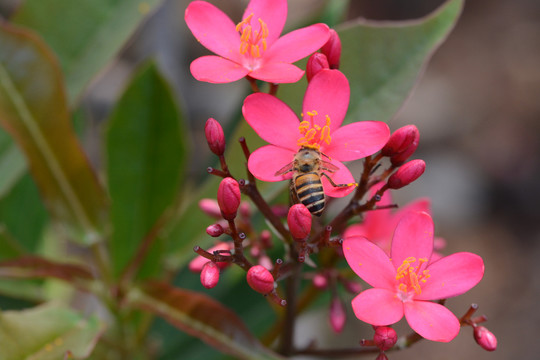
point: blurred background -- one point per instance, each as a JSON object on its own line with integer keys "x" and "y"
{"x": 477, "y": 107}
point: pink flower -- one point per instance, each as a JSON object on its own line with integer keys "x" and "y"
{"x": 405, "y": 282}
{"x": 252, "y": 47}
{"x": 324, "y": 108}
{"x": 379, "y": 225}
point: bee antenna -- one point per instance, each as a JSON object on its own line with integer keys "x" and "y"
{"x": 328, "y": 157}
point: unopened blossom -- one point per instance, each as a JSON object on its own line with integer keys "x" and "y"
{"x": 337, "y": 315}
{"x": 215, "y": 136}
{"x": 385, "y": 337}
{"x": 299, "y": 221}
{"x": 324, "y": 107}
{"x": 209, "y": 275}
{"x": 332, "y": 49}
{"x": 260, "y": 279}
{"x": 406, "y": 282}
{"x": 406, "y": 174}
{"x": 228, "y": 198}
{"x": 400, "y": 140}
{"x": 253, "y": 47}
{"x": 316, "y": 63}
{"x": 485, "y": 338}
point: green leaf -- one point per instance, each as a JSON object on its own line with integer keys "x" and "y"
{"x": 33, "y": 110}
{"x": 22, "y": 216}
{"x": 47, "y": 333}
{"x": 12, "y": 163}
{"x": 383, "y": 61}
{"x": 84, "y": 34}
{"x": 146, "y": 151}
{"x": 203, "y": 317}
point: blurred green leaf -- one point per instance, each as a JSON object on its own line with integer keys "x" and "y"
{"x": 47, "y": 333}
{"x": 383, "y": 61}
{"x": 202, "y": 317}
{"x": 12, "y": 163}
{"x": 23, "y": 216}
{"x": 146, "y": 151}
{"x": 84, "y": 34}
{"x": 33, "y": 110}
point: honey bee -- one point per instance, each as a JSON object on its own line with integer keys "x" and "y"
{"x": 306, "y": 187}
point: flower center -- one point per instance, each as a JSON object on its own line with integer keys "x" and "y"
{"x": 411, "y": 278}
{"x": 312, "y": 134}
{"x": 252, "y": 42}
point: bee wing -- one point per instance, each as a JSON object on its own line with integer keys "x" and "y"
{"x": 285, "y": 169}
{"x": 325, "y": 165}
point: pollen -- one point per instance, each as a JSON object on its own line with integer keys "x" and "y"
{"x": 312, "y": 134}
{"x": 252, "y": 42}
{"x": 411, "y": 277}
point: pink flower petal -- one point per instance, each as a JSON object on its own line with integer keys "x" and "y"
{"x": 213, "y": 29}
{"x": 327, "y": 93}
{"x": 452, "y": 275}
{"x": 413, "y": 237}
{"x": 267, "y": 160}
{"x": 272, "y": 12}
{"x": 341, "y": 176}
{"x": 298, "y": 44}
{"x": 431, "y": 321}
{"x": 378, "y": 307}
{"x": 278, "y": 73}
{"x": 357, "y": 140}
{"x": 369, "y": 262}
{"x": 217, "y": 70}
{"x": 272, "y": 120}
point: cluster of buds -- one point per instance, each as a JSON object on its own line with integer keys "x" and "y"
{"x": 328, "y": 58}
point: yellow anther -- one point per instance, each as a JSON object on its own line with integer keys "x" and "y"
{"x": 312, "y": 113}
{"x": 246, "y": 21}
{"x": 310, "y": 134}
{"x": 402, "y": 287}
{"x": 264, "y": 46}
{"x": 414, "y": 283}
{"x": 243, "y": 47}
{"x": 246, "y": 33}
{"x": 255, "y": 51}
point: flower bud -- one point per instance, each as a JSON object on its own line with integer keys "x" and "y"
{"x": 401, "y": 157}
{"x": 332, "y": 49}
{"x": 337, "y": 315}
{"x": 197, "y": 264}
{"x": 215, "y": 137}
{"x": 245, "y": 210}
{"x": 228, "y": 197}
{"x": 299, "y": 221}
{"x": 485, "y": 338}
{"x": 381, "y": 356}
{"x": 210, "y": 207}
{"x": 260, "y": 279}
{"x": 406, "y": 174}
{"x": 209, "y": 275}
{"x": 266, "y": 239}
{"x": 352, "y": 287}
{"x": 214, "y": 230}
{"x": 400, "y": 140}
{"x": 316, "y": 63}
{"x": 385, "y": 337}
{"x": 320, "y": 281}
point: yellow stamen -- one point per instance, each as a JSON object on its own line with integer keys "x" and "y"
{"x": 411, "y": 276}
{"x": 314, "y": 134}
{"x": 251, "y": 41}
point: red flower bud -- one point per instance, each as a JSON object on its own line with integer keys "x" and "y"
{"x": 320, "y": 281}
{"x": 381, "y": 356}
{"x": 385, "y": 337}
{"x": 214, "y": 230}
{"x": 485, "y": 338}
{"x": 406, "y": 174}
{"x": 245, "y": 210}
{"x": 337, "y": 315}
{"x": 332, "y": 49}
{"x": 401, "y": 157}
{"x": 266, "y": 239}
{"x": 215, "y": 137}
{"x": 260, "y": 279}
{"x": 209, "y": 275}
{"x": 316, "y": 63}
{"x": 210, "y": 207}
{"x": 400, "y": 140}
{"x": 299, "y": 221}
{"x": 352, "y": 287}
{"x": 228, "y": 198}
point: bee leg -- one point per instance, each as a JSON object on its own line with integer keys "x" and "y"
{"x": 337, "y": 185}
{"x": 293, "y": 195}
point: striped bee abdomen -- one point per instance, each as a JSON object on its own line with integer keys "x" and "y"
{"x": 310, "y": 192}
